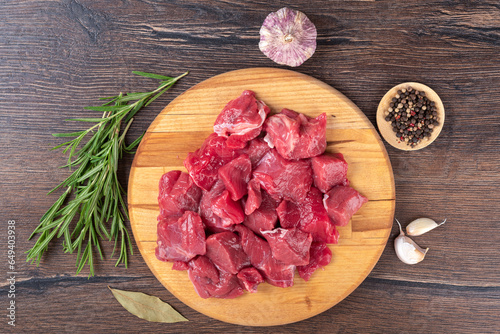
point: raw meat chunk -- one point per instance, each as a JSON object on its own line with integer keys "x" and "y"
{"x": 235, "y": 175}
{"x": 180, "y": 238}
{"x": 281, "y": 178}
{"x": 290, "y": 246}
{"x": 289, "y": 214}
{"x": 250, "y": 278}
{"x": 329, "y": 170}
{"x": 204, "y": 163}
{"x": 321, "y": 255}
{"x": 257, "y": 249}
{"x": 177, "y": 194}
{"x": 259, "y": 252}
{"x": 341, "y": 203}
{"x": 218, "y": 210}
{"x": 228, "y": 287}
{"x": 213, "y": 223}
{"x": 179, "y": 265}
{"x": 210, "y": 282}
{"x": 230, "y": 211}
{"x": 315, "y": 220}
{"x": 241, "y": 119}
{"x": 254, "y": 198}
{"x": 296, "y": 136}
{"x": 310, "y": 216}
{"x": 202, "y": 272}
{"x": 264, "y": 218}
{"x": 225, "y": 251}
{"x": 255, "y": 150}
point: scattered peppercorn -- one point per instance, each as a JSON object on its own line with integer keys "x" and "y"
{"x": 412, "y": 116}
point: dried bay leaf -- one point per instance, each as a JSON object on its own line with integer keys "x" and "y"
{"x": 147, "y": 307}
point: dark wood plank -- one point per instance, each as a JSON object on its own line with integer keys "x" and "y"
{"x": 58, "y": 56}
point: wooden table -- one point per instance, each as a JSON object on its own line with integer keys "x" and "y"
{"x": 58, "y": 56}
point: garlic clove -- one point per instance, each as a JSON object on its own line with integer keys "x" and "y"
{"x": 288, "y": 37}
{"x": 422, "y": 225}
{"x": 407, "y": 250}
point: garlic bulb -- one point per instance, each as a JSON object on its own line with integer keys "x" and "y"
{"x": 422, "y": 225}
{"x": 407, "y": 250}
{"x": 288, "y": 37}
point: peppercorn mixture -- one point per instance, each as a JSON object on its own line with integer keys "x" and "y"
{"x": 412, "y": 116}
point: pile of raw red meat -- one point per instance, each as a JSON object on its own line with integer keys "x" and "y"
{"x": 260, "y": 200}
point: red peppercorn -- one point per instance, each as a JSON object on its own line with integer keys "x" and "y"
{"x": 412, "y": 113}
{"x": 411, "y": 124}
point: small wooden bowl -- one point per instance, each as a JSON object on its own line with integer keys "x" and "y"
{"x": 385, "y": 127}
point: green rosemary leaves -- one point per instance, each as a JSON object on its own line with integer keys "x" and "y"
{"x": 92, "y": 207}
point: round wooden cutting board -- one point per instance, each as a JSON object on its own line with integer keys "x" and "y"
{"x": 182, "y": 127}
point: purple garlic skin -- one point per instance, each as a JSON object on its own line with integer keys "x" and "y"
{"x": 288, "y": 37}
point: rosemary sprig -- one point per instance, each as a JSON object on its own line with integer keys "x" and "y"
{"x": 93, "y": 197}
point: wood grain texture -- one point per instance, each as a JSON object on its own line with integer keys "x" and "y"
{"x": 57, "y": 56}
{"x": 348, "y": 131}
